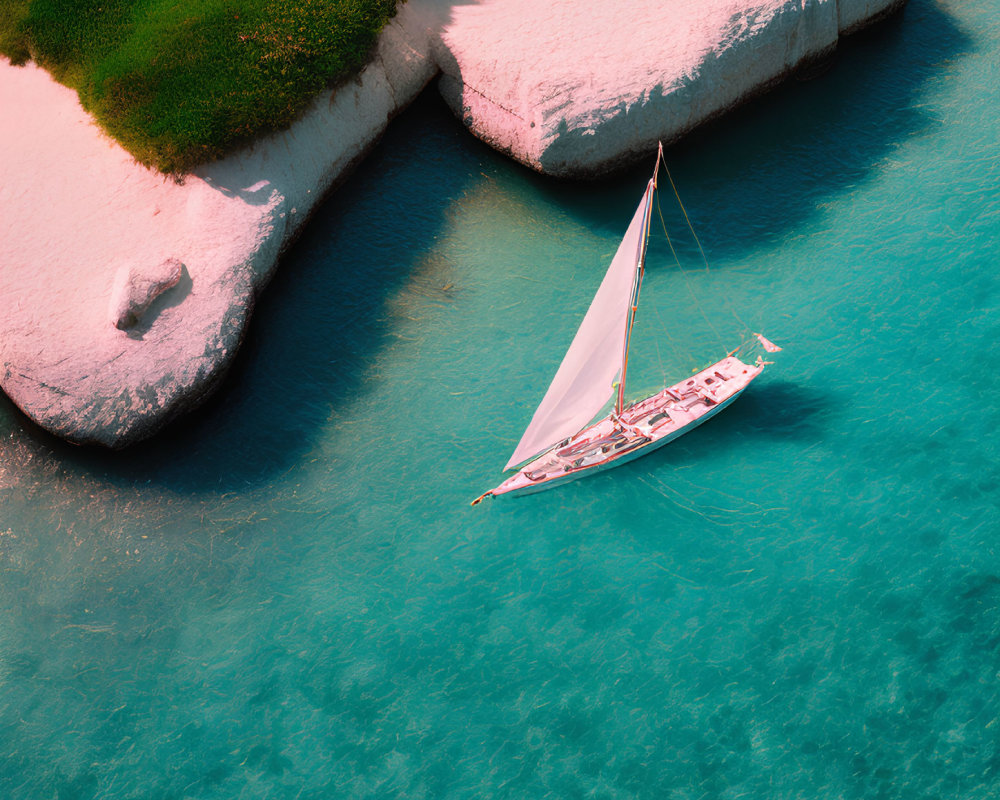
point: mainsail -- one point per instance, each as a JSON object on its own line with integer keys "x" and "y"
{"x": 586, "y": 378}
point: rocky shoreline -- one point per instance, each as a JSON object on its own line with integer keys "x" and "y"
{"x": 129, "y": 310}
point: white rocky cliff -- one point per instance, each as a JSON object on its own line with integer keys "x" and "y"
{"x": 124, "y": 295}
{"x": 593, "y": 85}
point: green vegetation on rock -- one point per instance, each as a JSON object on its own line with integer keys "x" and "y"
{"x": 180, "y": 82}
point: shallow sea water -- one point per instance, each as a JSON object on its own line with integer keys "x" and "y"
{"x": 288, "y": 596}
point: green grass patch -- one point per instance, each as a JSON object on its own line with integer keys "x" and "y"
{"x": 181, "y": 82}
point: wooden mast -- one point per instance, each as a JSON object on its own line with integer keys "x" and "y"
{"x": 640, "y": 267}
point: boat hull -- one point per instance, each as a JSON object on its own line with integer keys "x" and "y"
{"x": 642, "y": 427}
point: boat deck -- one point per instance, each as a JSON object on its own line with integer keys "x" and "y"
{"x": 642, "y": 427}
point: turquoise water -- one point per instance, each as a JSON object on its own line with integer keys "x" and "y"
{"x": 288, "y": 596}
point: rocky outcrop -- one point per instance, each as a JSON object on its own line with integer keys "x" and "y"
{"x": 135, "y": 290}
{"x": 569, "y": 87}
{"x": 590, "y": 87}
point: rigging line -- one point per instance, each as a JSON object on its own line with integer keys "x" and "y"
{"x": 659, "y": 355}
{"x": 704, "y": 258}
{"x": 684, "y": 211}
{"x": 687, "y": 282}
{"x": 679, "y": 359}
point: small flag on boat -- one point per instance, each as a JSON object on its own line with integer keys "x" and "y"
{"x": 768, "y": 345}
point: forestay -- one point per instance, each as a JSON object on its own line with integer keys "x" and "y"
{"x": 586, "y": 378}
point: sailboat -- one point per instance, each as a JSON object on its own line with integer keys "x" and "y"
{"x": 562, "y": 441}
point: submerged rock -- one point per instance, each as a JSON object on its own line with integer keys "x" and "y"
{"x": 568, "y": 87}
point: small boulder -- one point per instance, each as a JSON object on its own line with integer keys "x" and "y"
{"x": 136, "y": 289}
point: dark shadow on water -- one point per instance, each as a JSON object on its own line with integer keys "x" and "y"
{"x": 779, "y": 410}
{"x": 772, "y": 411}
{"x": 318, "y": 325}
{"x": 757, "y": 173}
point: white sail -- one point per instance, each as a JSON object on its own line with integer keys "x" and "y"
{"x": 585, "y": 380}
